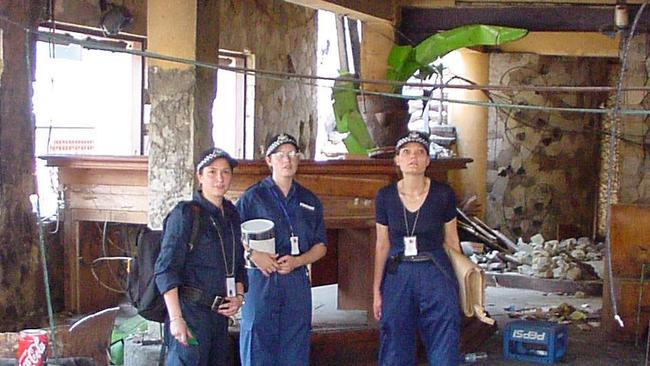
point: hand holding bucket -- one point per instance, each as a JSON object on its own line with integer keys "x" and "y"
{"x": 259, "y": 236}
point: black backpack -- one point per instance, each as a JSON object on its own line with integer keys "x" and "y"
{"x": 141, "y": 285}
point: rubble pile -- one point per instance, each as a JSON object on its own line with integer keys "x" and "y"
{"x": 558, "y": 259}
{"x": 546, "y": 258}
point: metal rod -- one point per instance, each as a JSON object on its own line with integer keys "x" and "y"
{"x": 46, "y": 278}
{"x": 610, "y": 169}
{"x": 540, "y": 88}
{"x": 638, "y": 306}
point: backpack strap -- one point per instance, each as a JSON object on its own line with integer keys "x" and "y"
{"x": 196, "y": 223}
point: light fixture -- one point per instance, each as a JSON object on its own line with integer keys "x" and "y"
{"x": 114, "y": 17}
{"x": 621, "y": 18}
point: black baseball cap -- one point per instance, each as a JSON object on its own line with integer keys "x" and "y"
{"x": 212, "y": 154}
{"x": 278, "y": 140}
{"x": 414, "y": 136}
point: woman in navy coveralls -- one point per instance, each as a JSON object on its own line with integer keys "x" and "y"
{"x": 276, "y": 320}
{"x": 197, "y": 332}
{"x": 414, "y": 287}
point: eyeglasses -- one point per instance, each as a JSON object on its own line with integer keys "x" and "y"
{"x": 284, "y": 154}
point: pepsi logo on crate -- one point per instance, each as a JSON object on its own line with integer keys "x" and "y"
{"x": 535, "y": 341}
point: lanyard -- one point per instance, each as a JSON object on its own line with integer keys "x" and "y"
{"x": 231, "y": 272}
{"x": 283, "y": 208}
{"x": 406, "y": 223}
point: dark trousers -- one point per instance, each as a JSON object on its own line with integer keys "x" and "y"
{"x": 418, "y": 297}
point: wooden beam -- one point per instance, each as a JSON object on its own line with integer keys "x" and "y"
{"x": 378, "y": 10}
{"x": 342, "y": 44}
{"x": 417, "y": 23}
{"x": 355, "y": 44}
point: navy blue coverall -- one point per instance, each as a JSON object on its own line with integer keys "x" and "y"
{"x": 201, "y": 268}
{"x": 276, "y": 319}
{"x": 419, "y": 296}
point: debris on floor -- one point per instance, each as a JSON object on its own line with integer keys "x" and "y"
{"x": 584, "y": 317}
{"x": 567, "y": 259}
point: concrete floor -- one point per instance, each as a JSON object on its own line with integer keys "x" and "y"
{"x": 590, "y": 348}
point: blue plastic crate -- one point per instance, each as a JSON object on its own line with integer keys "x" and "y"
{"x": 535, "y": 341}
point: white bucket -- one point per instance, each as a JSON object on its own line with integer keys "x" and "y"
{"x": 258, "y": 234}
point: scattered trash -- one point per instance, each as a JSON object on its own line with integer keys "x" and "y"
{"x": 584, "y": 326}
{"x": 475, "y": 356}
{"x": 563, "y": 314}
{"x": 577, "y": 315}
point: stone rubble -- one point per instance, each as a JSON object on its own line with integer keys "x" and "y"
{"x": 546, "y": 258}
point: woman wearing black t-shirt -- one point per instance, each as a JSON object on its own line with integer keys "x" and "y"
{"x": 414, "y": 287}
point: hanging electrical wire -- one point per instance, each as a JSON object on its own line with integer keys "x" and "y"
{"x": 616, "y": 113}
{"x": 313, "y": 80}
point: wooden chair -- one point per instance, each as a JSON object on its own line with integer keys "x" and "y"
{"x": 90, "y": 336}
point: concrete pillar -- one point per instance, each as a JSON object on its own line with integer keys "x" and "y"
{"x": 181, "y": 97}
{"x": 471, "y": 124}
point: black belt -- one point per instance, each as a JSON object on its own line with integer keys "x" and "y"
{"x": 199, "y": 297}
{"x": 394, "y": 261}
{"x": 422, "y": 257}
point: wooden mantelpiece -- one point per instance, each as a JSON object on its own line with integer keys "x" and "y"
{"x": 115, "y": 189}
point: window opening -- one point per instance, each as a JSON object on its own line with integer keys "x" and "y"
{"x": 86, "y": 102}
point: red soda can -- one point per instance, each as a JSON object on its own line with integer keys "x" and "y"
{"x": 32, "y": 348}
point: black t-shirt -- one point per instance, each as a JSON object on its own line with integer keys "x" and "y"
{"x": 439, "y": 207}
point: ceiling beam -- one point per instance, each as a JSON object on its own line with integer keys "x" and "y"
{"x": 377, "y": 10}
{"x": 417, "y": 24}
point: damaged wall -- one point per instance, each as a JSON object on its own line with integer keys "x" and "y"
{"x": 181, "y": 98}
{"x": 543, "y": 166}
{"x": 21, "y": 283}
{"x": 634, "y": 147}
{"x": 282, "y": 37}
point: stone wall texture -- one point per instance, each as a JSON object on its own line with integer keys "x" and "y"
{"x": 282, "y": 37}
{"x": 634, "y": 147}
{"x": 21, "y": 283}
{"x": 543, "y": 165}
{"x": 171, "y": 153}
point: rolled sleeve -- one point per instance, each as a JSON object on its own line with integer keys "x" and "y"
{"x": 173, "y": 248}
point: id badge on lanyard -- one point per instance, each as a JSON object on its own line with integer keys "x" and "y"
{"x": 410, "y": 246}
{"x": 231, "y": 289}
{"x": 295, "y": 245}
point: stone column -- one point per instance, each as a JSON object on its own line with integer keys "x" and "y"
{"x": 21, "y": 281}
{"x": 634, "y": 158}
{"x": 181, "y": 97}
